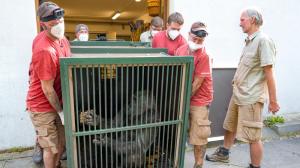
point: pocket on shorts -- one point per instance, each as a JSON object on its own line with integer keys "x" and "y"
{"x": 252, "y": 130}
{"x": 42, "y": 134}
{"x": 204, "y": 128}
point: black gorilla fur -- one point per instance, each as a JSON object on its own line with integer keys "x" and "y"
{"x": 135, "y": 144}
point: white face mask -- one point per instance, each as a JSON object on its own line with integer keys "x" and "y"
{"x": 153, "y": 32}
{"x": 58, "y": 30}
{"x": 173, "y": 34}
{"x": 193, "y": 46}
{"x": 83, "y": 37}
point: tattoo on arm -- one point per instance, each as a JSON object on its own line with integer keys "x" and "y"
{"x": 51, "y": 95}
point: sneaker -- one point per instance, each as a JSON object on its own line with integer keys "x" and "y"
{"x": 218, "y": 156}
{"x": 37, "y": 156}
{"x": 197, "y": 166}
{"x": 251, "y": 166}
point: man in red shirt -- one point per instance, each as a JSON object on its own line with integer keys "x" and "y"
{"x": 44, "y": 99}
{"x": 202, "y": 91}
{"x": 170, "y": 38}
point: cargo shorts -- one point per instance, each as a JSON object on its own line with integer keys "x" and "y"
{"x": 49, "y": 130}
{"x": 245, "y": 120}
{"x": 199, "y": 125}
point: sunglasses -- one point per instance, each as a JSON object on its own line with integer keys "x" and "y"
{"x": 200, "y": 33}
{"x": 56, "y": 14}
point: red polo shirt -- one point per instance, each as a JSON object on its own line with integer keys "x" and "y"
{"x": 202, "y": 68}
{"x": 45, "y": 66}
{"x": 161, "y": 40}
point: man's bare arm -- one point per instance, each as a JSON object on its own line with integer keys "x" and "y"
{"x": 196, "y": 84}
{"x": 273, "y": 105}
{"x": 47, "y": 87}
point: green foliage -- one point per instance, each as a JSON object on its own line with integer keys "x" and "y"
{"x": 272, "y": 120}
{"x": 16, "y": 150}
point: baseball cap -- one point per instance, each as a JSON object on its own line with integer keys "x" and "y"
{"x": 49, "y": 11}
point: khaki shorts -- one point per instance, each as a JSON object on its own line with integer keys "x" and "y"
{"x": 245, "y": 120}
{"x": 199, "y": 125}
{"x": 49, "y": 130}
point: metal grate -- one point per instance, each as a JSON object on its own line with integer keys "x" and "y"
{"x": 126, "y": 111}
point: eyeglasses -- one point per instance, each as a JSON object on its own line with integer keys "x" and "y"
{"x": 56, "y": 14}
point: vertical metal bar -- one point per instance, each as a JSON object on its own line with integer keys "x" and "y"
{"x": 131, "y": 123}
{"x": 77, "y": 113}
{"x": 122, "y": 99}
{"x": 179, "y": 117}
{"x": 127, "y": 121}
{"x": 100, "y": 111}
{"x": 82, "y": 107}
{"x": 116, "y": 112}
{"x": 160, "y": 110}
{"x": 165, "y": 111}
{"x": 88, "y": 108}
{"x": 142, "y": 113}
{"x": 175, "y": 112}
{"x": 148, "y": 79}
{"x": 187, "y": 85}
{"x": 111, "y": 114}
{"x": 137, "y": 105}
{"x": 105, "y": 116}
{"x": 152, "y": 101}
{"x": 94, "y": 107}
{"x": 156, "y": 109}
{"x": 171, "y": 110}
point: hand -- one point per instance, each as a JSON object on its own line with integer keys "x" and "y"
{"x": 88, "y": 117}
{"x": 273, "y": 107}
{"x": 99, "y": 139}
{"x": 62, "y": 118}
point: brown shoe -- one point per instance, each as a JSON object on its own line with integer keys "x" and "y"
{"x": 218, "y": 156}
{"x": 197, "y": 166}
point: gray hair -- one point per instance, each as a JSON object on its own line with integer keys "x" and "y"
{"x": 81, "y": 26}
{"x": 255, "y": 13}
{"x": 157, "y": 22}
{"x": 176, "y": 17}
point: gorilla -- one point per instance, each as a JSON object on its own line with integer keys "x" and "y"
{"x": 133, "y": 145}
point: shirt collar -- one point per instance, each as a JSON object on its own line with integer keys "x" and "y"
{"x": 251, "y": 37}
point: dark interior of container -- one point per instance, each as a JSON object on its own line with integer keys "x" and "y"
{"x": 130, "y": 97}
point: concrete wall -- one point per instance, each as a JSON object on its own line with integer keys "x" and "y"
{"x": 17, "y": 30}
{"x": 225, "y": 40}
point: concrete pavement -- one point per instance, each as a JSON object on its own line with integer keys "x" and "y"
{"x": 278, "y": 153}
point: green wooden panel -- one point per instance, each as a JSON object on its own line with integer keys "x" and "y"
{"x": 118, "y": 50}
{"x": 109, "y": 43}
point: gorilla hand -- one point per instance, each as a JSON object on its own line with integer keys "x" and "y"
{"x": 89, "y": 118}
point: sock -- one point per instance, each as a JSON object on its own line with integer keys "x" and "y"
{"x": 251, "y": 166}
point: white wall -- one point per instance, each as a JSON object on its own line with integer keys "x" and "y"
{"x": 225, "y": 40}
{"x": 17, "y": 30}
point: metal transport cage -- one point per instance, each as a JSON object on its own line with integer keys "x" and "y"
{"x": 126, "y": 110}
{"x": 103, "y": 44}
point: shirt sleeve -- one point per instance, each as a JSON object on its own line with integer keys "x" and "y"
{"x": 154, "y": 42}
{"x": 203, "y": 66}
{"x": 182, "y": 41}
{"x": 267, "y": 52}
{"x": 44, "y": 65}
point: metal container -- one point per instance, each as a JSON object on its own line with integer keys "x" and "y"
{"x": 126, "y": 110}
